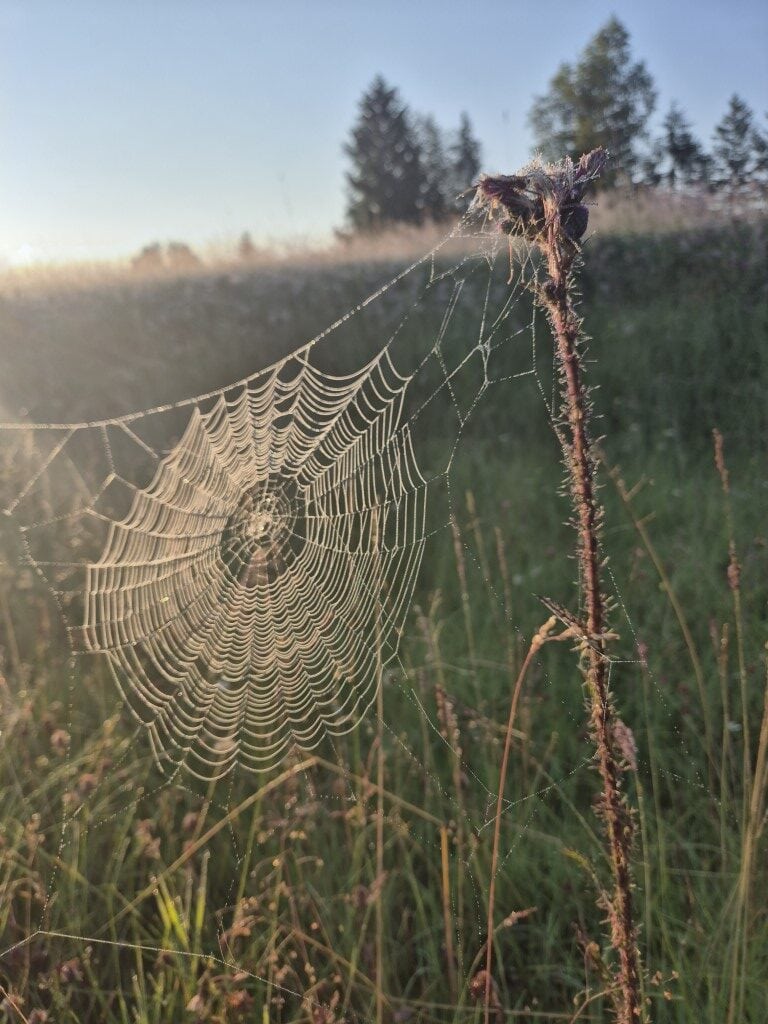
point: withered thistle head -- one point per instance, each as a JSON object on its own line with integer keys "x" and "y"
{"x": 529, "y": 201}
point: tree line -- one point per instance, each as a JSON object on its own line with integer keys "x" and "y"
{"x": 405, "y": 169}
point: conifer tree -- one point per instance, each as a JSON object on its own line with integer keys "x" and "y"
{"x": 761, "y": 157}
{"x": 737, "y": 149}
{"x": 387, "y": 182}
{"x": 246, "y": 250}
{"x": 604, "y": 100}
{"x": 464, "y": 162}
{"x": 436, "y": 200}
{"x": 687, "y": 163}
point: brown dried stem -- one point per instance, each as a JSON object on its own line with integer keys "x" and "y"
{"x": 544, "y": 205}
{"x": 538, "y": 640}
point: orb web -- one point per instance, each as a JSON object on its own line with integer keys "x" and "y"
{"x": 247, "y": 585}
{"x": 241, "y": 600}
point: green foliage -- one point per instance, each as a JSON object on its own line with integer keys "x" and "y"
{"x": 273, "y": 916}
{"x": 149, "y": 259}
{"x": 175, "y": 256}
{"x": 739, "y": 148}
{"x": 761, "y": 154}
{"x": 180, "y": 257}
{"x": 387, "y": 180}
{"x": 451, "y": 166}
{"x": 246, "y": 250}
{"x": 687, "y": 164}
{"x": 464, "y": 161}
{"x": 405, "y": 168}
{"x": 434, "y": 161}
{"x": 605, "y": 99}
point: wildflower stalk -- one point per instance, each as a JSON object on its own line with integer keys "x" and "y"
{"x": 544, "y": 205}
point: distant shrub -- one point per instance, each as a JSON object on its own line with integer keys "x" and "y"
{"x": 179, "y": 256}
{"x": 175, "y": 256}
{"x": 150, "y": 258}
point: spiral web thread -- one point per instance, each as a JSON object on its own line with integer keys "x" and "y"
{"x": 248, "y": 593}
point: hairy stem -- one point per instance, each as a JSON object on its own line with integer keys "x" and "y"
{"x": 544, "y": 204}
{"x": 554, "y": 294}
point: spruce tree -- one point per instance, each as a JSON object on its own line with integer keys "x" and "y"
{"x": 436, "y": 171}
{"x": 737, "y": 147}
{"x": 761, "y": 157}
{"x": 387, "y": 181}
{"x": 246, "y": 250}
{"x": 464, "y": 163}
{"x": 686, "y": 161}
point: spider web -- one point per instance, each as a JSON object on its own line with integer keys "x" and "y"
{"x": 247, "y": 585}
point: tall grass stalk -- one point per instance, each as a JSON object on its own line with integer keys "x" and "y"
{"x": 379, "y": 880}
{"x": 544, "y": 205}
{"x": 626, "y": 496}
{"x": 753, "y": 797}
{"x": 538, "y": 640}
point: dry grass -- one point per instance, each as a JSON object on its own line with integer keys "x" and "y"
{"x": 651, "y": 210}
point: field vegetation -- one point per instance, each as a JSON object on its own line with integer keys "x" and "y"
{"x": 351, "y": 885}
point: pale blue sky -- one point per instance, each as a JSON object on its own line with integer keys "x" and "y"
{"x": 125, "y": 122}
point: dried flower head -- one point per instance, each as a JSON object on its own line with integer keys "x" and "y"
{"x": 59, "y": 741}
{"x": 483, "y": 986}
{"x": 529, "y": 201}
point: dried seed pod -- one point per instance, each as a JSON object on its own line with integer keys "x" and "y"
{"x": 575, "y": 220}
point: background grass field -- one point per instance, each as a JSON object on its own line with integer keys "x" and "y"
{"x": 289, "y": 892}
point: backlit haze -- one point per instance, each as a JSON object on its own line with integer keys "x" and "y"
{"x": 125, "y": 123}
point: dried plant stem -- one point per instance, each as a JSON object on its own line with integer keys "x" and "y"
{"x": 14, "y": 657}
{"x": 380, "y": 858}
{"x": 449, "y": 730}
{"x": 753, "y": 827}
{"x": 379, "y": 798}
{"x": 566, "y": 328}
{"x": 8, "y": 998}
{"x": 539, "y": 638}
{"x": 466, "y": 607}
{"x": 734, "y": 582}
{"x": 450, "y": 956}
{"x": 544, "y": 204}
{"x": 753, "y": 795}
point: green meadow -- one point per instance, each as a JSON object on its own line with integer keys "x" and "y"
{"x": 351, "y": 882}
